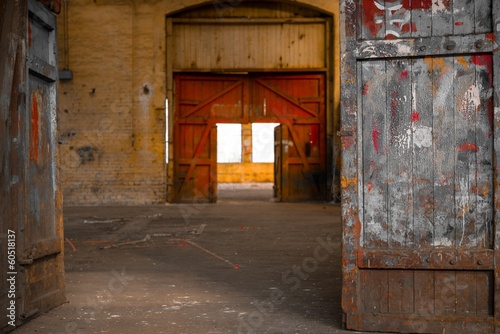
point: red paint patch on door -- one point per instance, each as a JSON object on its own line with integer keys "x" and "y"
{"x": 415, "y": 116}
{"x": 404, "y": 75}
{"x": 468, "y": 147}
{"x": 365, "y": 88}
{"x": 34, "y": 133}
{"x": 375, "y": 134}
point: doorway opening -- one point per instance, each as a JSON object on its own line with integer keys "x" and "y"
{"x": 245, "y": 161}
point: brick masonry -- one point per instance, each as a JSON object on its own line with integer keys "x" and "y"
{"x": 112, "y": 114}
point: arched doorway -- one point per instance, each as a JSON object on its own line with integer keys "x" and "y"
{"x": 259, "y": 62}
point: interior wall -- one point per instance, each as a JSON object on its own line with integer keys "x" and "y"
{"x": 112, "y": 113}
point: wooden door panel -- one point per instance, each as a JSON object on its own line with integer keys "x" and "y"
{"x": 298, "y": 103}
{"x": 419, "y": 187}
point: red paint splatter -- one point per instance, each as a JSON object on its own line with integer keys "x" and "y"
{"x": 375, "y": 134}
{"x": 486, "y": 61}
{"x": 468, "y": 147}
{"x": 415, "y": 116}
{"x": 182, "y": 245}
{"x": 365, "y": 88}
{"x": 236, "y": 267}
{"x": 459, "y": 24}
{"x": 422, "y": 4}
{"x": 370, "y": 11}
{"x": 369, "y": 186}
{"x": 404, "y": 75}
{"x": 34, "y": 133}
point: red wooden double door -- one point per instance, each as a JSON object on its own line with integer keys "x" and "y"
{"x": 296, "y": 101}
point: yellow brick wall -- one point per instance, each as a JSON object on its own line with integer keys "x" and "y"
{"x": 112, "y": 114}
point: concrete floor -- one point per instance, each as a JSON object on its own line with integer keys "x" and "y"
{"x": 243, "y": 265}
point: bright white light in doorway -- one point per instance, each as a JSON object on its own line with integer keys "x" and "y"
{"x": 228, "y": 143}
{"x": 263, "y": 142}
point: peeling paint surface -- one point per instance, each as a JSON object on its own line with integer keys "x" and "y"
{"x": 425, "y": 159}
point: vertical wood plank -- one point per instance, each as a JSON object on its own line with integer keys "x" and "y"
{"x": 374, "y": 120}
{"x": 466, "y": 293}
{"x": 443, "y": 142}
{"x": 463, "y": 17}
{"x": 423, "y": 176}
{"x": 483, "y": 18}
{"x": 375, "y": 291}
{"x": 496, "y": 162}
{"x": 466, "y": 101}
{"x": 482, "y": 65}
{"x": 424, "y": 292}
{"x": 351, "y": 169}
{"x": 422, "y": 18}
{"x": 400, "y": 291}
{"x": 484, "y": 293}
{"x": 399, "y": 154}
{"x": 442, "y": 18}
{"x": 445, "y": 293}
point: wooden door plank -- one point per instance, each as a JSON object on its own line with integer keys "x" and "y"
{"x": 483, "y": 66}
{"x": 399, "y": 155}
{"x": 375, "y": 286}
{"x": 484, "y": 293}
{"x": 482, "y": 16}
{"x": 442, "y": 18}
{"x": 422, "y": 18}
{"x": 443, "y": 143}
{"x": 423, "y": 176}
{"x": 445, "y": 293}
{"x": 424, "y": 292}
{"x": 400, "y": 291}
{"x": 466, "y": 293}
{"x": 466, "y": 102}
{"x": 463, "y": 17}
{"x": 374, "y": 120}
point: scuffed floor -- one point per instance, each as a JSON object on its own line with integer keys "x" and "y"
{"x": 239, "y": 266}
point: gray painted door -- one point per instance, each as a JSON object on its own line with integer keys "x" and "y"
{"x": 419, "y": 114}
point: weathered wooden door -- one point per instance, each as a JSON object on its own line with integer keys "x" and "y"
{"x": 30, "y": 203}
{"x": 298, "y": 103}
{"x": 201, "y": 103}
{"x": 419, "y": 118}
{"x": 41, "y": 247}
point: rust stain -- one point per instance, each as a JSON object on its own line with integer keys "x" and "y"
{"x": 344, "y": 182}
{"x": 468, "y": 147}
{"x": 34, "y": 135}
{"x": 436, "y": 64}
{"x": 462, "y": 61}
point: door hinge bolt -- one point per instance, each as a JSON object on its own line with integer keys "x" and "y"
{"x": 479, "y": 262}
{"x": 453, "y": 261}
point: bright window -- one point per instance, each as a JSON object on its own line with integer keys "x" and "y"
{"x": 228, "y": 143}
{"x": 263, "y": 142}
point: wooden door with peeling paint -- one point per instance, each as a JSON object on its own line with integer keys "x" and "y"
{"x": 201, "y": 103}
{"x": 419, "y": 113}
{"x": 297, "y": 102}
{"x": 30, "y": 199}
